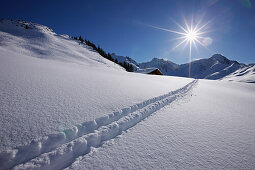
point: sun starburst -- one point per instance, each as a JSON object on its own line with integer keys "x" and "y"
{"x": 190, "y": 34}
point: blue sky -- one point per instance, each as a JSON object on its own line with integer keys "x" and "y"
{"x": 121, "y": 26}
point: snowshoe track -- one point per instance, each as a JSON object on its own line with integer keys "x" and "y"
{"x": 57, "y": 151}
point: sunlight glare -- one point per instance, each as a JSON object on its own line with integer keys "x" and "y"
{"x": 191, "y": 35}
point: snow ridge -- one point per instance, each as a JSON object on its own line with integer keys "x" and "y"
{"x": 57, "y": 151}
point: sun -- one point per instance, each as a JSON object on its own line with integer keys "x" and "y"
{"x": 190, "y": 34}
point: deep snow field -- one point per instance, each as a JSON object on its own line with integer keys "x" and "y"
{"x": 64, "y": 106}
{"x": 212, "y": 129}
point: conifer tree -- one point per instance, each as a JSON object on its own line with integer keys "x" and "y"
{"x": 125, "y": 65}
{"x": 131, "y": 69}
{"x": 80, "y": 38}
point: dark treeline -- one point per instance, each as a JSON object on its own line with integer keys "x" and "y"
{"x": 127, "y": 66}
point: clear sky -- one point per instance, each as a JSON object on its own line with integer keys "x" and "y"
{"x": 122, "y": 26}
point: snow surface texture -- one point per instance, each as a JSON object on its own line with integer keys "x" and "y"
{"x": 84, "y": 136}
{"x": 212, "y": 129}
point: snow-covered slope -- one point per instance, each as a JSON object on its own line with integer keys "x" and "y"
{"x": 211, "y": 128}
{"x": 122, "y": 59}
{"x": 39, "y": 41}
{"x": 213, "y": 68}
{"x": 244, "y": 74}
{"x": 50, "y": 85}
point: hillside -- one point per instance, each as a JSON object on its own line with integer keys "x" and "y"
{"x": 38, "y": 41}
{"x": 63, "y": 106}
{"x": 49, "y": 83}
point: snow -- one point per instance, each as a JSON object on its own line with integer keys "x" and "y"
{"x": 213, "y": 68}
{"x": 125, "y": 120}
{"x": 122, "y": 59}
{"x": 49, "y": 85}
{"x": 163, "y": 65}
{"x": 146, "y": 71}
{"x": 245, "y": 74}
{"x": 62, "y": 105}
{"x": 211, "y": 128}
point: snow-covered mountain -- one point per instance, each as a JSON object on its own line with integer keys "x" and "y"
{"x": 163, "y": 65}
{"x": 122, "y": 59}
{"x": 244, "y": 74}
{"x": 214, "y": 68}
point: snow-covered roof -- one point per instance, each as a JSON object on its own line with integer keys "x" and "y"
{"x": 147, "y": 70}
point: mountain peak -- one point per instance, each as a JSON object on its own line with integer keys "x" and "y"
{"x": 164, "y": 65}
{"x": 161, "y": 60}
{"x": 220, "y": 58}
{"x": 156, "y": 59}
{"x": 217, "y": 56}
{"x": 122, "y": 59}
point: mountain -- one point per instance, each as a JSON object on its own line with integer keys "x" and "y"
{"x": 216, "y": 67}
{"x": 243, "y": 74}
{"x": 165, "y": 66}
{"x": 122, "y": 59}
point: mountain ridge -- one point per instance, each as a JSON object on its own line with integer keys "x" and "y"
{"x": 215, "y": 67}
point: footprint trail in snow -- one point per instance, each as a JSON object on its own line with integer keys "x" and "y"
{"x": 57, "y": 151}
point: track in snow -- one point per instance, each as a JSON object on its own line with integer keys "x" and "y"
{"x": 57, "y": 151}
